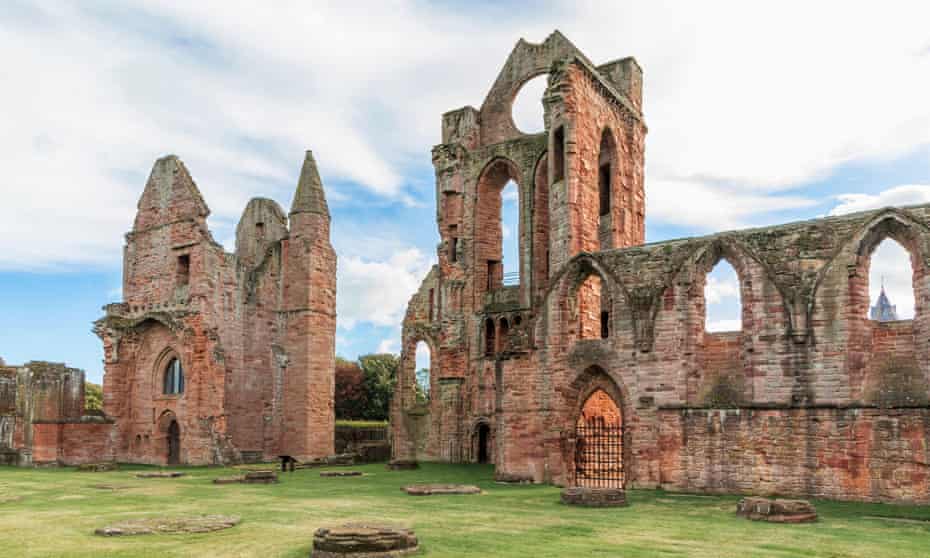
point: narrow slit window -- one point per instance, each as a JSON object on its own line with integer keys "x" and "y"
{"x": 184, "y": 270}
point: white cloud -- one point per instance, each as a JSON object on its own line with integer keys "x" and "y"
{"x": 743, "y": 102}
{"x": 391, "y": 345}
{"x": 908, "y": 194}
{"x": 377, "y": 292}
{"x": 716, "y": 290}
{"x": 724, "y": 325}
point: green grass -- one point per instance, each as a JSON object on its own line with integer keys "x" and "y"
{"x": 361, "y": 423}
{"x": 59, "y": 510}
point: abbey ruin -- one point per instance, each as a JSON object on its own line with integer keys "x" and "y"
{"x": 601, "y": 340}
{"x": 211, "y": 357}
{"x": 591, "y": 366}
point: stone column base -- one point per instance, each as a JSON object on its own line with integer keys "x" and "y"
{"x": 594, "y": 497}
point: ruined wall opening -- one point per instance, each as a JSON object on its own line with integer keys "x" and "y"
{"x": 606, "y": 167}
{"x": 886, "y": 317}
{"x": 890, "y": 283}
{"x": 491, "y": 225}
{"x": 423, "y": 377}
{"x": 510, "y": 230}
{"x": 527, "y": 109}
{"x": 723, "y": 311}
{"x": 183, "y": 272}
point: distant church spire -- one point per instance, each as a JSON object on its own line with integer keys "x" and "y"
{"x": 884, "y": 310}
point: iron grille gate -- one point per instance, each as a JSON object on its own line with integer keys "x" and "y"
{"x": 598, "y": 455}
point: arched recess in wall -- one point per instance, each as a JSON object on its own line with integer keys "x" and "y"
{"x": 573, "y": 296}
{"x": 607, "y": 191}
{"x": 168, "y": 438}
{"x": 602, "y": 444}
{"x": 721, "y": 282}
{"x": 490, "y": 337}
{"x": 489, "y": 227}
{"x": 541, "y": 256}
{"x": 891, "y": 376}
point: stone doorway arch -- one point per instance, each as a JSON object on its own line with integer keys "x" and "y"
{"x": 598, "y": 452}
{"x": 484, "y": 443}
{"x": 174, "y": 443}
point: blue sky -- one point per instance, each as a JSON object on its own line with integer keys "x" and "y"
{"x": 746, "y": 128}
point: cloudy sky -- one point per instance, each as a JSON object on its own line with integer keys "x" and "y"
{"x": 757, "y": 115}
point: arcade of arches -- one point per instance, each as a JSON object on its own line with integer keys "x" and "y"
{"x": 796, "y": 391}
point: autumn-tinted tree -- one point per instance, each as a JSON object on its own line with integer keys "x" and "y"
{"x": 351, "y": 392}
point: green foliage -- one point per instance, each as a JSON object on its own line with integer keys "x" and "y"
{"x": 422, "y": 385}
{"x": 380, "y": 372}
{"x": 58, "y": 509}
{"x": 93, "y": 397}
{"x": 361, "y": 423}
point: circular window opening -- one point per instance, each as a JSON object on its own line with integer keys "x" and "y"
{"x": 527, "y": 109}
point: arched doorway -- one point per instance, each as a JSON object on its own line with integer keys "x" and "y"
{"x": 174, "y": 443}
{"x": 484, "y": 443}
{"x": 598, "y": 459}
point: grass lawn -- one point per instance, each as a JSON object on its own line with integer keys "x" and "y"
{"x": 53, "y": 512}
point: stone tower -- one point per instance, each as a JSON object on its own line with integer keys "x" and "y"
{"x": 580, "y": 189}
{"x": 215, "y": 357}
{"x": 310, "y": 308}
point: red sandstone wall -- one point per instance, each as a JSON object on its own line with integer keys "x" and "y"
{"x": 843, "y": 454}
{"x": 71, "y": 443}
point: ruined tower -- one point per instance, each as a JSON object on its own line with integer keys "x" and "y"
{"x": 580, "y": 189}
{"x": 215, "y": 357}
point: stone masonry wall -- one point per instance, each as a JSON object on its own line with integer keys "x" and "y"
{"x": 254, "y": 330}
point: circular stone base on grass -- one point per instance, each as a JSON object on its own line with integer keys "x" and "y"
{"x": 776, "y": 511}
{"x": 432, "y": 489}
{"x": 97, "y": 467}
{"x": 169, "y": 525}
{"x": 229, "y": 480}
{"x": 363, "y": 540}
{"x": 340, "y": 473}
{"x": 160, "y": 475}
{"x": 109, "y": 486}
{"x": 594, "y": 497}
{"x": 402, "y": 465}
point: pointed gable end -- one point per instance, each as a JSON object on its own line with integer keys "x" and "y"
{"x": 170, "y": 195}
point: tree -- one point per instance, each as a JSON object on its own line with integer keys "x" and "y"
{"x": 422, "y": 385}
{"x": 93, "y": 397}
{"x": 380, "y": 372}
{"x": 351, "y": 392}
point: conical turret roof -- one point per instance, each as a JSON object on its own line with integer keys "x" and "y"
{"x": 309, "y": 197}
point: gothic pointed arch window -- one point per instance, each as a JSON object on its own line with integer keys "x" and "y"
{"x": 173, "y": 378}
